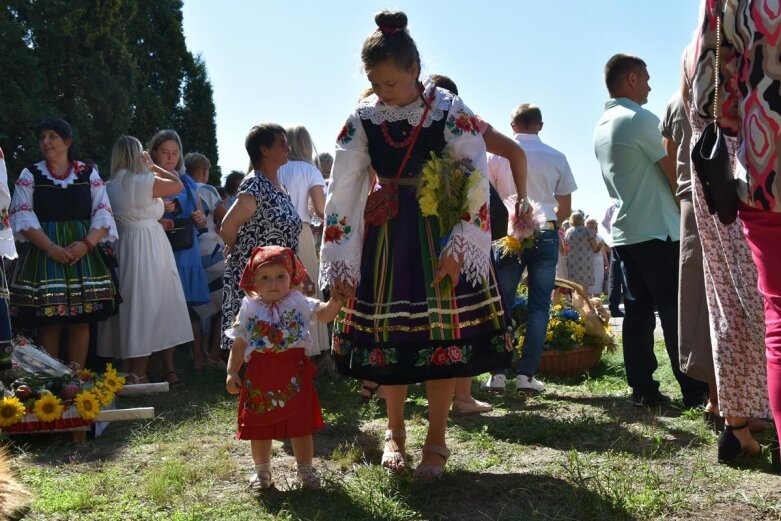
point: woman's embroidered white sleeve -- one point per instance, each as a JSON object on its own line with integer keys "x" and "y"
{"x": 470, "y": 239}
{"x": 102, "y": 216}
{"x": 22, "y": 213}
{"x": 340, "y": 257}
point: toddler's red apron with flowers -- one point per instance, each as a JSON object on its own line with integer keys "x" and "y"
{"x": 278, "y": 399}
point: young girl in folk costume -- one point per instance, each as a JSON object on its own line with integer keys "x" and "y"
{"x": 271, "y": 332}
{"x": 406, "y": 323}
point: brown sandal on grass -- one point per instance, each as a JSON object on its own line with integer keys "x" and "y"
{"x": 394, "y": 459}
{"x": 432, "y": 472}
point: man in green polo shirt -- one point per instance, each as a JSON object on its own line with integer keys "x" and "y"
{"x": 641, "y": 181}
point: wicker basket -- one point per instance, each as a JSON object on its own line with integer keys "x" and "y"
{"x": 569, "y": 363}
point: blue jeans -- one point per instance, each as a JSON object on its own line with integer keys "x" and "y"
{"x": 540, "y": 260}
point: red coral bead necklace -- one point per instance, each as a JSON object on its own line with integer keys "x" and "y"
{"x": 62, "y": 176}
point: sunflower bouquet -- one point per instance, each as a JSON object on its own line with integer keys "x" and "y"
{"x": 451, "y": 189}
{"x": 43, "y": 397}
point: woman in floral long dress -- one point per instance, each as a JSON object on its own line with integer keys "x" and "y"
{"x": 735, "y": 305}
{"x": 262, "y": 215}
{"x": 406, "y": 323}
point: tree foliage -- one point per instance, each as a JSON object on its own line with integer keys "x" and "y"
{"x": 108, "y": 67}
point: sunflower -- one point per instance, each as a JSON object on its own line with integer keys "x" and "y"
{"x": 103, "y": 393}
{"x": 11, "y": 411}
{"x": 48, "y": 408}
{"x": 85, "y": 375}
{"x": 112, "y": 380}
{"x": 87, "y": 405}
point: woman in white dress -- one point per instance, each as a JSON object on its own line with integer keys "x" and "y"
{"x": 153, "y": 315}
{"x": 600, "y": 260}
{"x": 304, "y": 182}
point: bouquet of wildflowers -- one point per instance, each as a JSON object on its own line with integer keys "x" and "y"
{"x": 451, "y": 190}
{"x": 521, "y": 229}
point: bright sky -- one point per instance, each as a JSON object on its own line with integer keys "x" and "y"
{"x": 298, "y": 62}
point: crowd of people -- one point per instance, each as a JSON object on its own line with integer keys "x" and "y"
{"x": 261, "y": 266}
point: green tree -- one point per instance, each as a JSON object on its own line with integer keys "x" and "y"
{"x": 22, "y": 82}
{"x": 196, "y": 116}
{"x": 89, "y": 73}
{"x": 108, "y": 67}
{"x": 156, "y": 41}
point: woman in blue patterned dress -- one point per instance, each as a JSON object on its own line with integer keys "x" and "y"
{"x": 262, "y": 215}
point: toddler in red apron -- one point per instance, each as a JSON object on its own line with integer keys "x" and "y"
{"x": 271, "y": 333}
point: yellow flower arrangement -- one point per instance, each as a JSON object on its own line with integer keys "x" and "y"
{"x": 113, "y": 381}
{"x": 87, "y": 405}
{"x": 104, "y": 393}
{"x": 48, "y": 408}
{"x": 565, "y": 329}
{"x": 451, "y": 190}
{"x": 11, "y": 411}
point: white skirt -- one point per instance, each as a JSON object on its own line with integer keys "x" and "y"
{"x": 153, "y": 314}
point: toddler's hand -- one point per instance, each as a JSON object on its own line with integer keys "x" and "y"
{"x": 233, "y": 383}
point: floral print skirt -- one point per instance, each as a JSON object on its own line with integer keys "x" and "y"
{"x": 399, "y": 329}
{"x": 735, "y": 307}
{"x": 278, "y": 398}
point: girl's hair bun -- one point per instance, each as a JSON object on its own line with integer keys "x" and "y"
{"x": 391, "y": 20}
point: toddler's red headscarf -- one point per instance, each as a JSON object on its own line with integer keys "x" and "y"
{"x": 268, "y": 256}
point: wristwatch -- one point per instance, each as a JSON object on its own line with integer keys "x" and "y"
{"x": 524, "y": 205}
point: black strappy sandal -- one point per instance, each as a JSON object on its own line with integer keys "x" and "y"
{"x": 370, "y": 393}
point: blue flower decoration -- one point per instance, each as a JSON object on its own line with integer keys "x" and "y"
{"x": 520, "y": 301}
{"x": 569, "y": 314}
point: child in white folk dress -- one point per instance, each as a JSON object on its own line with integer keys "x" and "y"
{"x": 271, "y": 333}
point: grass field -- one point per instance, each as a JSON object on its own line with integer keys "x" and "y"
{"x": 581, "y": 451}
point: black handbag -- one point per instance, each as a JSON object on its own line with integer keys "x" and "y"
{"x": 181, "y": 235}
{"x": 712, "y": 162}
{"x": 711, "y": 157}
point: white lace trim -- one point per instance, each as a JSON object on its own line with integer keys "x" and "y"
{"x": 104, "y": 219}
{"x": 7, "y": 245}
{"x": 331, "y": 271}
{"x": 64, "y": 183}
{"x": 474, "y": 246}
{"x": 378, "y": 111}
{"x": 22, "y": 221}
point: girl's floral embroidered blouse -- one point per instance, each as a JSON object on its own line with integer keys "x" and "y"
{"x": 276, "y": 327}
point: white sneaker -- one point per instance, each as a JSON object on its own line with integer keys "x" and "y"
{"x": 495, "y": 384}
{"x": 527, "y": 385}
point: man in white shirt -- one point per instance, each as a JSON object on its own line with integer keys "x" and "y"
{"x": 550, "y": 184}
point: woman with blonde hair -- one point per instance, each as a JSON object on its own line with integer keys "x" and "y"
{"x": 153, "y": 313}
{"x": 304, "y": 182}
